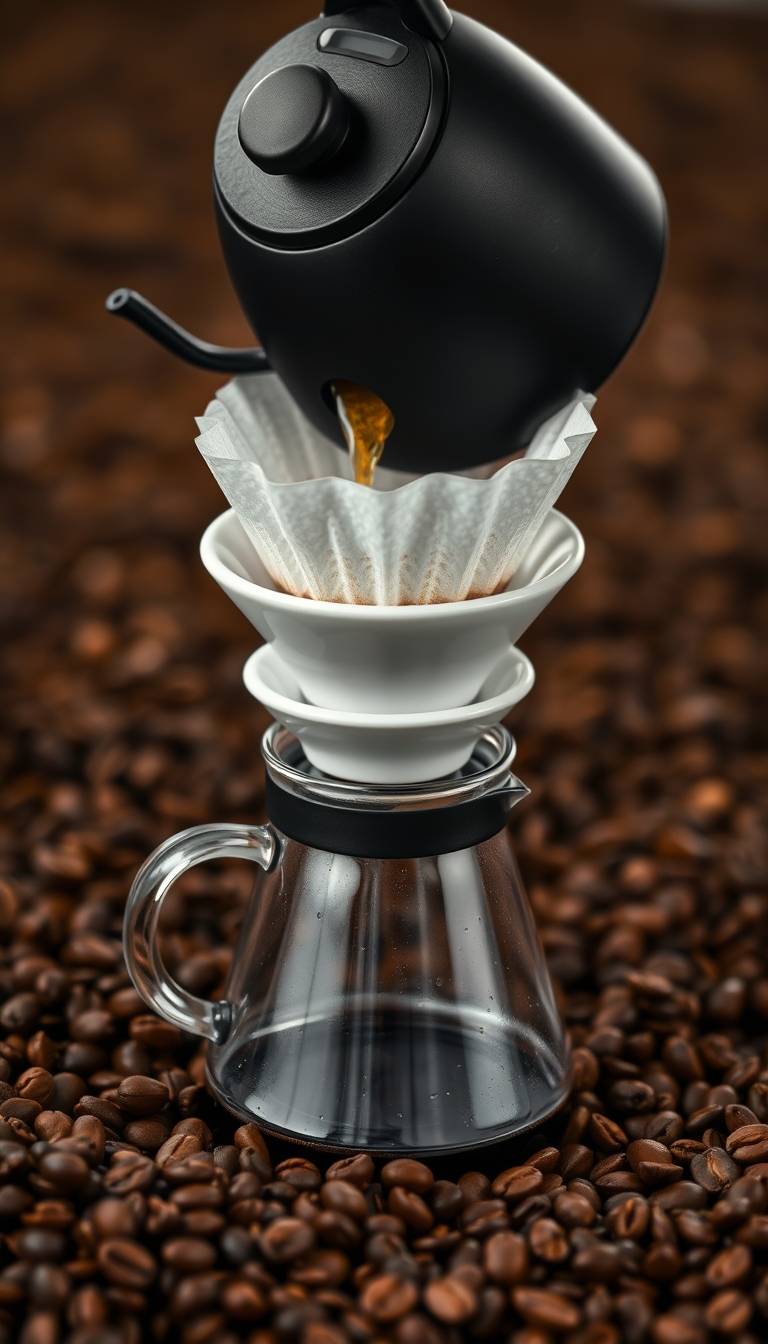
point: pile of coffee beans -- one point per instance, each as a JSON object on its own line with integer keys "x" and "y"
{"x": 132, "y": 1207}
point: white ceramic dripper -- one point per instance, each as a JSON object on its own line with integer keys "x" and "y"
{"x": 392, "y": 660}
{"x": 390, "y": 695}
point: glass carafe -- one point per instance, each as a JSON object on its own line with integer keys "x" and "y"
{"x": 388, "y": 992}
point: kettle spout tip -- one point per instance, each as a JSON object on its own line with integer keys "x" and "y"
{"x": 149, "y": 319}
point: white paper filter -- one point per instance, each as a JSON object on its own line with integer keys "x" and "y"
{"x": 436, "y": 538}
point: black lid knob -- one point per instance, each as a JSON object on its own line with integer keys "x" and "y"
{"x": 295, "y": 118}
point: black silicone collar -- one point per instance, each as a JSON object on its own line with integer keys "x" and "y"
{"x": 373, "y": 834}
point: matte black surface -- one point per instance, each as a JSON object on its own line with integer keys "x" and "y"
{"x": 517, "y": 266}
{"x": 368, "y": 834}
{"x": 295, "y": 118}
{"x": 432, "y": 18}
{"x": 218, "y": 358}
{"x": 389, "y": 108}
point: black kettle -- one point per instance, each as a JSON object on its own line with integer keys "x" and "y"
{"x": 408, "y": 201}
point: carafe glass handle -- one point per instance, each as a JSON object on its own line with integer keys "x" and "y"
{"x": 142, "y": 912}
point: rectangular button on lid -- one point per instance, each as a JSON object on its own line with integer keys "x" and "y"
{"x": 363, "y": 46}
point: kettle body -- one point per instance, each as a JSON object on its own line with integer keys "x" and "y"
{"x": 482, "y": 245}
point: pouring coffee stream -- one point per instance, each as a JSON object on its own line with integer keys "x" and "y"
{"x": 367, "y": 424}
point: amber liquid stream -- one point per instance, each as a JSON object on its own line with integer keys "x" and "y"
{"x": 367, "y": 423}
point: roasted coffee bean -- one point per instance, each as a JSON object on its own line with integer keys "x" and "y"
{"x": 21, "y": 1013}
{"x": 67, "y": 1172}
{"x": 545, "y": 1159}
{"x": 188, "y": 1255}
{"x": 645, "y": 1152}
{"x": 714, "y": 1170}
{"x": 131, "y": 1172}
{"x": 728, "y": 1312}
{"x": 517, "y": 1183}
{"x": 113, "y": 1218}
{"x": 629, "y": 1221}
{"x": 253, "y": 1151}
{"x": 748, "y": 1144}
{"x": 446, "y": 1199}
{"x": 547, "y": 1310}
{"x": 40, "y": 1245}
{"x": 68, "y": 1088}
{"x": 573, "y": 1210}
{"x": 242, "y": 1301}
{"x": 451, "y": 1300}
{"x": 631, "y": 1097}
{"x": 730, "y": 1268}
{"x": 35, "y": 1084}
{"x": 681, "y": 1058}
{"x": 49, "y": 1287}
{"x": 411, "y": 1208}
{"x": 662, "y": 1262}
{"x": 358, "y": 1170}
{"x": 505, "y": 1258}
{"x": 336, "y": 1229}
{"x": 300, "y": 1174}
{"x": 474, "y": 1185}
{"x": 20, "y": 1108}
{"x": 387, "y": 1297}
{"x": 537, "y": 1206}
{"x": 177, "y": 1148}
{"x": 110, "y": 1115}
{"x": 548, "y": 1241}
{"x": 412, "y": 1176}
{"x": 154, "y": 1033}
{"x": 149, "y": 1134}
{"x": 606, "y": 1135}
{"x": 286, "y": 1239}
{"x": 575, "y": 1160}
{"x": 187, "y": 1197}
{"x": 127, "y": 1263}
{"x": 754, "y": 1232}
{"x": 483, "y": 1217}
{"x": 141, "y": 1096}
{"x": 343, "y": 1197}
{"x": 53, "y": 1125}
{"x": 598, "y": 1261}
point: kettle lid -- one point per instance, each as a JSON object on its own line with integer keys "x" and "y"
{"x": 333, "y": 122}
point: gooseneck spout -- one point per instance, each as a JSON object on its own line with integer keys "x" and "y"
{"x": 219, "y": 358}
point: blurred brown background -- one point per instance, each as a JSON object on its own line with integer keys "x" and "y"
{"x": 123, "y": 708}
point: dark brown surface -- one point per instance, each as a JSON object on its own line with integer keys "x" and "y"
{"x": 644, "y": 844}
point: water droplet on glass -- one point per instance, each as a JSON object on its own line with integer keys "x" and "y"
{"x": 439, "y": 980}
{"x": 433, "y": 1096}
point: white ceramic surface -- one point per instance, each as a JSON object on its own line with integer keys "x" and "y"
{"x": 387, "y": 748}
{"x": 392, "y": 660}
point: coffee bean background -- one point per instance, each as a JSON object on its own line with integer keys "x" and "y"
{"x": 133, "y": 1208}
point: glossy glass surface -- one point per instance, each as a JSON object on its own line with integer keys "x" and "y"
{"x": 391, "y": 1004}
